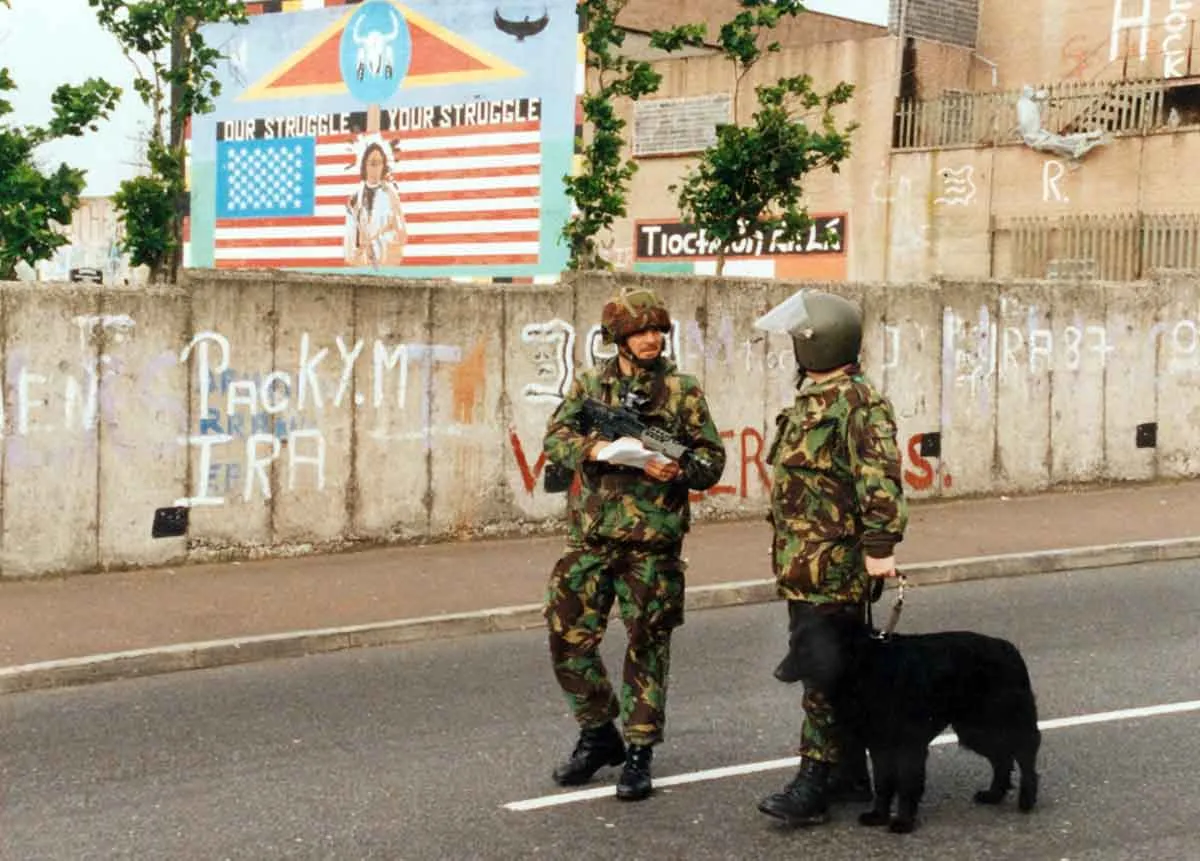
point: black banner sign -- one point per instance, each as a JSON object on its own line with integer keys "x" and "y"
{"x": 503, "y": 112}
{"x": 675, "y": 240}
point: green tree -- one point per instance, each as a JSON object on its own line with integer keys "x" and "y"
{"x": 176, "y": 79}
{"x": 750, "y": 179}
{"x": 599, "y": 190}
{"x": 34, "y": 204}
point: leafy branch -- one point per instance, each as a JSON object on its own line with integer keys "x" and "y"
{"x": 35, "y": 205}
{"x": 600, "y": 189}
{"x": 749, "y": 182}
{"x": 176, "y": 78}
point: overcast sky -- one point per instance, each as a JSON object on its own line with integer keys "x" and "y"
{"x": 45, "y": 43}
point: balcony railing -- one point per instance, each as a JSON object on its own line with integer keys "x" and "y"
{"x": 990, "y": 118}
{"x": 1116, "y": 247}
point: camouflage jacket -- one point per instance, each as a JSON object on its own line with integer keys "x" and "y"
{"x": 837, "y": 490}
{"x": 617, "y": 503}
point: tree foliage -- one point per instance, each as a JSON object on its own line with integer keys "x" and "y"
{"x": 750, "y": 180}
{"x": 176, "y": 78}
{"x": 599, "y": 190}
{"x": 35, "y": 205}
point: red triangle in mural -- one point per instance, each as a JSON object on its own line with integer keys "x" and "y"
{"x": 437, "y": 55}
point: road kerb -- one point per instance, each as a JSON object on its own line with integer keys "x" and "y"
{"x": 200, "y": 655}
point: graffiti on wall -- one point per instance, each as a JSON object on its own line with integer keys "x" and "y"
{"x": 416, "y": 139}
{"x": 245, "y": 424}
{"x": 958, "y": 186}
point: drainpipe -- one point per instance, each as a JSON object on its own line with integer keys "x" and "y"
{"x": 902, "y": 26}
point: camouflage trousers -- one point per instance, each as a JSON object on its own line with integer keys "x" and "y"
{"x": 583, "y": 586}
{"x": 820, "y": 737}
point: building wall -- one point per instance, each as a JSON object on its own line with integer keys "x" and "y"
{"x": 857, "y": 192}
{"x": 1089, "y": 39}
{"x": 805, "y": 29}
{"x": 296, "y": 412}
{"x": 95, "y": 235}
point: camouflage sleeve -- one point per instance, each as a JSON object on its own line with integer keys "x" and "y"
{"x": 703, "y": 469}
{"x": 565, "y": 442}
{"x": 875, "y": 461}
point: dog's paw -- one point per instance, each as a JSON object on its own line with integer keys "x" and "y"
{"x": 873, "y": 819}
{"x": 901, "y": 826}
{"x": 989, "y": 796}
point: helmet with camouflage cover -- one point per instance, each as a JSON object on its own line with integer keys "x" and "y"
{"x": 826, "y": 329}
{"x": 633, "y": 310}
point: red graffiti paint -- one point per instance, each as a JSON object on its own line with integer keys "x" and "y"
{"x": 529, "y": 475}
{"x": 922, "y": 478}
{"x": 726, "y": 489}
{"x": 750, "y": 452}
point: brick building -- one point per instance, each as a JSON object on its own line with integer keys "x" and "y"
{"x": 957, "y": 170}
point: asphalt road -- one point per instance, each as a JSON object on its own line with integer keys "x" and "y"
{"x": 414, "y": 752}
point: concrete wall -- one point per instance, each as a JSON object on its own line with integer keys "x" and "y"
{"x": 294, "y": 413}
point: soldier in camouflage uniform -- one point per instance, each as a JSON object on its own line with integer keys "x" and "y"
{"x": 837, "y": 510}
{"x": 626, "y": 529}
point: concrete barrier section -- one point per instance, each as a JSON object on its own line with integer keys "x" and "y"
{"x": 285, "y": 413}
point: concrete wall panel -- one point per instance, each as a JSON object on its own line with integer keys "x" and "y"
{"x": 1177, "y": 333}
{"x": 1024, "y": 363}
{"x": 547, "y": 345}
{"x": 1077, "y": 394}
{"x": 319, "y": 348}
{"x": 732, "y": 373}
{"x": 1130, "y": 361}
{"x": 51, "y": 445}
{"x": 232, "y": 396}
{"x": 909, "y": 368}
{"x": 465, "y": 385}
{"x": 143, "y": 421}
{"x": 392, "y": 463}
{"x": 969, "y": 353}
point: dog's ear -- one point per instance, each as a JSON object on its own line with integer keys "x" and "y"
{"x": 788, "y": 670}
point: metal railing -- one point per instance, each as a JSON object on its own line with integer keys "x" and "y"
{"x": 990, "y": 118}
{"x": 1119, "y": 247}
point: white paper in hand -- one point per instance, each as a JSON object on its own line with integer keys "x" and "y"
{"x": 628, "y": 451}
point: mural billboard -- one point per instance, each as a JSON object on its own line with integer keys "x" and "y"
{"x": 417, "y": 138}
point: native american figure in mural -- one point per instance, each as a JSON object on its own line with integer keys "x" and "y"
{"x": 375, "y": 228}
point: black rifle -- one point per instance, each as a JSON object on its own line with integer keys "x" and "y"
{"x": 613, "y": 423}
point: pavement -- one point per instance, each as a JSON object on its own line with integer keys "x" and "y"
{"x": 98, "y": 627}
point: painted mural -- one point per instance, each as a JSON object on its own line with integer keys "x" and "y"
{"x": 416, "y": 138}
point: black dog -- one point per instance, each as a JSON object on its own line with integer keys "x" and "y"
{"x": 896, "y": 693}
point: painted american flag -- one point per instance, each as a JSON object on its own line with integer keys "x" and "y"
{"x": 471, "y": 196}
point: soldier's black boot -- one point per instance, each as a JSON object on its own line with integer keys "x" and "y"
{"x": 596, "y": 748}
{"x": 849, "y": 779}
{"x": 804, "y": 801}
{"x": 635, "y": 777}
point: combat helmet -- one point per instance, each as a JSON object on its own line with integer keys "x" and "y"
{"x": 632, "y": 310}
{"x": 826, "y": 329}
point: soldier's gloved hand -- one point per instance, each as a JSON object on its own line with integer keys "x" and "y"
{"x": 661, "y": 470}
{"x": 885, "y": 567}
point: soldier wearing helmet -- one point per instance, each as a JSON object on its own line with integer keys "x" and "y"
{"x": 626, "y": 530}
{"x": 837, "y": 510}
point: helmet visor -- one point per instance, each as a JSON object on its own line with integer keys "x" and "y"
{"x": 789, "y": 316}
